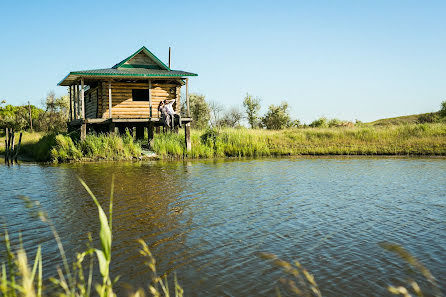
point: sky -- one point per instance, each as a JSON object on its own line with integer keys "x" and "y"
{"x": 350, "y": 60}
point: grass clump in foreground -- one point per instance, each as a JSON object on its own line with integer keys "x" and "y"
{"x": 17, "y": 278}
{"x": 411, "y": 139}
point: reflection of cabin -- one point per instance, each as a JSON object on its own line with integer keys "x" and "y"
{"x": 126, "y": 95}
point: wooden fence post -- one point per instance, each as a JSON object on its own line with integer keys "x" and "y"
{"x": 18, "y": 147}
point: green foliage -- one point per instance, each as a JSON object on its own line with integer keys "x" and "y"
{"x": 277, "y": 117}
{"x": 415, "y": 139}
{"x": 56, "y": 114}
{"x": 442, "y": 111}
{"x": 428, "y": 118}
{"x": 231, "y": 118}
{"x": 252, "y": 108}
{"x": 320, "y": 123}
{"x": 199, "y": 111}
{"x": 95, "y": 147}
{"x": 52, "y": 119}
{"x": 17, "y": 117}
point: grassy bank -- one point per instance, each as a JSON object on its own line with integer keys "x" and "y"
{"x": 410, "y": 139}
{"x": 65, "y": 147}
{"x": 414, "y": 139}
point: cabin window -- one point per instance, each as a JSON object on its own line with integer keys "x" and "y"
{"x": 140, "y": 94}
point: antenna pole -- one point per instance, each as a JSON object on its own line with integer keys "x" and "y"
{"x": 169, "y": 56}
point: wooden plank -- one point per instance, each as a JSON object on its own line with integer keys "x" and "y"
{"x": 71, "y": 110}
{"x": 150, "y": 96}
{"x": 187, "y": 97}
{"x": 187, "y": 137}
{"x": 74, "y": 103}
{"x": 109, "y": 99}
{"x": 78, "y": 102}
{"x": 83, "y": 97}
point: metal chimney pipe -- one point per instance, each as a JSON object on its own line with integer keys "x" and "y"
{"x": 169, "y": 56}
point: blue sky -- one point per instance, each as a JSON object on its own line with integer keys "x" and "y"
{"x": 346, "y": 59}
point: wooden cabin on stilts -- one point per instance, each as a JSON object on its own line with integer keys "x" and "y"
{"x": 127, "y": 95}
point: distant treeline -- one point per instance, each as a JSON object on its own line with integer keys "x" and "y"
{"x": 211, "y": 114}
{"x": 52, "y": 117}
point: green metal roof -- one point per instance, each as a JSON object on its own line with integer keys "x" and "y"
{"x": 127, "y": 71}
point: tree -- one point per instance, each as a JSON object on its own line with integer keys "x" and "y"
{"x": 231, "y": 118}
{"x": 199, "y": 111}
{"x": 216, "y": 113}
{"x": 277, "y": 117}
{"x": 252, "y": 108}
{"x": 56, "y": 113}
{"x": 443, "y": 109}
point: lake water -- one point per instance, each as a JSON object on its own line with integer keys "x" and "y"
{"x": 208, "y": 220}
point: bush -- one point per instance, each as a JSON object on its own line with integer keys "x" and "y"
{"x": 319, "y": 123}
{"x": 428, "y": 118}
{"x": 277, "y": 117}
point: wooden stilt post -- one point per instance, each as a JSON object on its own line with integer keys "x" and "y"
{"x": 111, "y": 127}
{"x": 150, "y": 133}
{"x": 150, "y": 97}
{"x": 83, "y": 129}
{"x": 18, "y": 147}
{"x": 83, "y": 97}
{"x": 78, "y": 102}
{"x": 187, "y": 97}
{"x": 109, "y": 100}
{"x": 139, "y": 132}
{"x": 30, "y": 117}
{"x": 187, "y": 137}
{"x": 6, "y": 144}
{"x": 74, "y": 103}
{"x": 71, "y": 110}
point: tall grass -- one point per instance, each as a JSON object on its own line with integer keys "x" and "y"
{"x": 409, "y": 139}
{"x": 414, "y": 139}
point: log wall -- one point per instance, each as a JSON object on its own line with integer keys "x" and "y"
{"x": 123, "y": 105}
{"x": 91, "y": 103}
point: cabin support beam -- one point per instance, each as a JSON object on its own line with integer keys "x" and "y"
{"x": 187, "y": 97}
{"x": 187, "y": 137}
{"x": 71, "y": 110}
{"x": 83, "y": 130}
{"x": 150, "y": 97}
{"x": 150, "y": 133}
{"x": 109, "y": 100}
{"x": 139, "y": 132}
{"x": 78, "y": 102}
{"x": 83, "y": 97}
{"x": 74, "y": 102}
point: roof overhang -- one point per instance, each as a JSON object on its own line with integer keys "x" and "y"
{"x": 74, "y": 77}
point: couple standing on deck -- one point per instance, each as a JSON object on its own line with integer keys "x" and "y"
{"x": 168, "y": 115}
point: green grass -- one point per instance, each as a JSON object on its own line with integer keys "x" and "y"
{"x": 402, "y": 120}
{"x": 428, "y": 139}
{"x": 65, "y": 147}
{"x": 411, "y": 139}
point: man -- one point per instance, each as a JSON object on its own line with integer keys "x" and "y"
{"x": 169, "y": 106}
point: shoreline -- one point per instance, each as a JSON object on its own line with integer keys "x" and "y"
{"x": 27, "y": 160}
